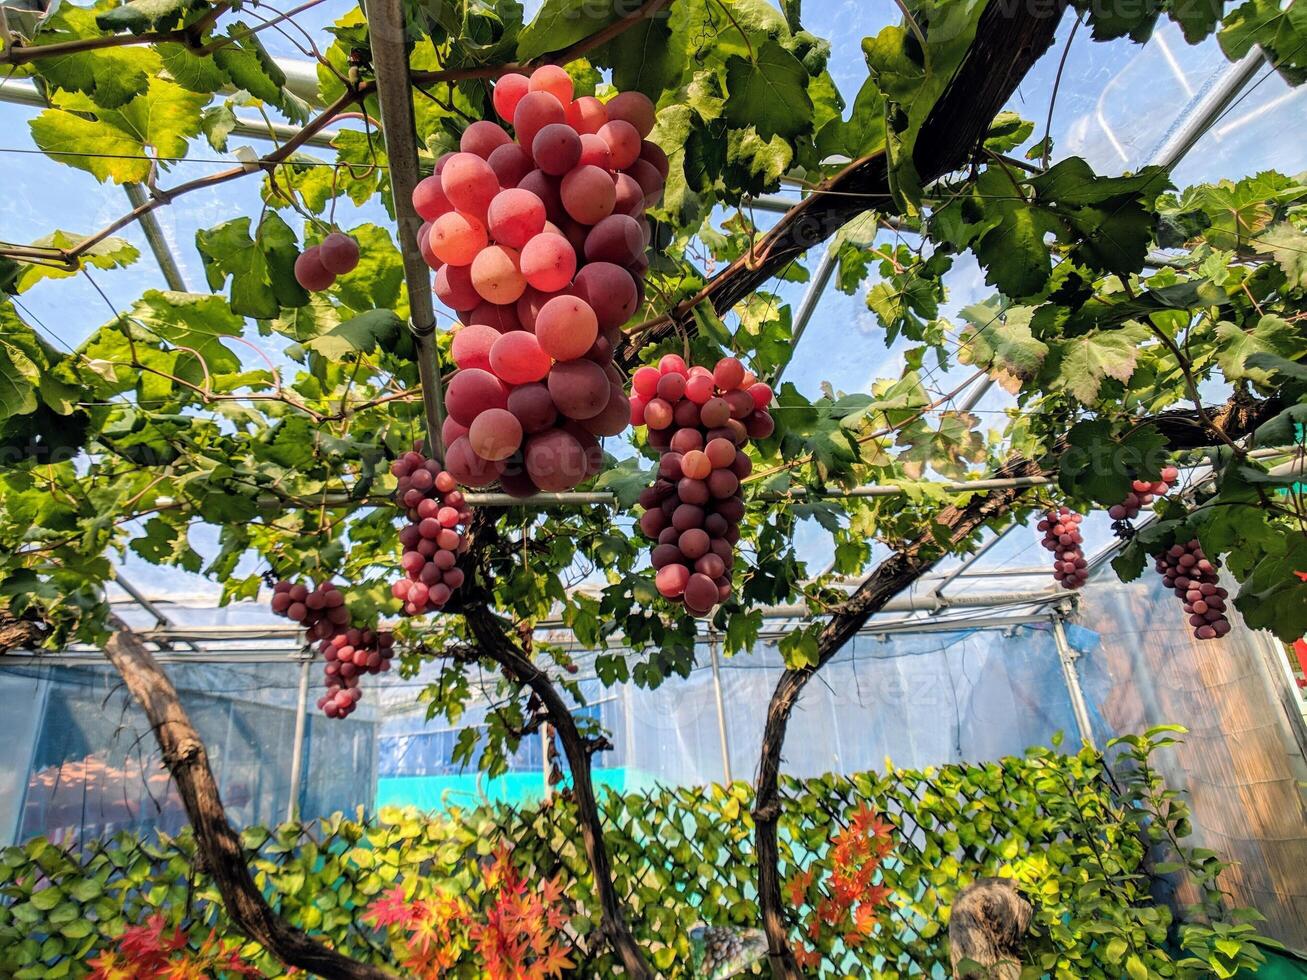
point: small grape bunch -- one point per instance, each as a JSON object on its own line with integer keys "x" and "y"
{"x": 1142, "y": 493}
{"x": 349, "y": 655}
{"x": 432, "y": 540}
{"x": 1194, "y": 577}
{"x": 701, "y": 420}
{"x": 1061, "y": 530}
{"x": 320, "y": 610}
{"x": 317, "y": 267}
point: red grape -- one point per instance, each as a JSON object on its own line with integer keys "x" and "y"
{"x": 517, "y": 358}
{"x": 555, "y": 80}
{"x": 653, "y": 154}
{"x": 610, "y": 290}
{"x": 338, "y": 253}
{"x": 472, "y": 392}
{"x": 509, "y": 91}
{"x": 469, "y": 183}
{"x": 595, "y": 152}
{"x": 635, "y": 108}
{"x": 471, "y": 346}
{"x": 623, "y": 142}
{"x": 454, "y": 287}
{"x": 586, "y": 114}
{"x": 457, "y": 238}
{"x": 497, "y": 275}
{"x": 555, "y": 460}
{"x": 429, "y": 198}
{"x": 533, "y": 406}
{"x": 556, "y": 148}
{"x": 566, "y": 327}
{"x": 310, "y": 272}
{"x": 588, "y": 194}
{"x": 482, "y": 138}
{"x": 510, "y": 162}
{"x": 548, "y": 262}
{"x": 580, "y": 389}
{"x": 495, "y": 434}
{"x": 534, "y": 112}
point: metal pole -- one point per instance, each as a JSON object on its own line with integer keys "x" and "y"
{"x": 721, "y": 708}
{"x": 172, "y": 275}
{"x": 1215, "y": 101}
{"x": 301, "y": 722}
{"x": 1068, "y": 658}
{"x": 546, "y": 738}
{"x": 395, "y": 94}
{"x": 808, "y": 304}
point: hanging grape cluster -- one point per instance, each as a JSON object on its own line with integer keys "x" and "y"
{"x": 317, "y": 267}
{"x": 700, "y": 420}
{"x": 1194, "y": 578}
{"x": 1061, "y": 528}
{"x": 320, "y": 610}
{"x": 349, "y": 654}
{"x": 1142, "y": 493}
{"x": 539, "y": 245}
{"x": 432, "y": 539}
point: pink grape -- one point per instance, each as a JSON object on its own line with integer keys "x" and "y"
{"x": 761, "y": 393}
{"x": 556, "y": 148}
{"x": 545, "y": 187}
{"x": 471, "y": 346}
{"x": 509, "y": 91}
{"x": 671, "y": 580}
{"x": 515, "y": 216}
{"x": 595, "y": 152}
{"x": 635, "y": 108}
{"x": 586, "y": 114}
{"x": 474, "y": 391}
{"x": 653, "y": 154}
{"x": 555, "y": 80}
{"x": 528, "y": 307}
{"x": 517, "y": 358}
{"x": 339, "y": 254}
{"x": 628, "y": 196}
{"x": 615, "y": 416}
{"x": 500, "y": 318}
{"x": 548, "y": 262}
{"x": 495, "y": 435}
{"x": 482, "y": 138}
{"x": 588, "y": 194}
{"x": 467, "y": 467}
{"x": 497, "y": 276}
{"x": 610, "y": 290}
{"x": 429, "y": 198}
{"x": 454, "y": 287}
{"x": 456, "y": 238}
{"x": 424, "y": 246}
{"x": 651, "y": 183}
{"x": 534, "y": 112}
{"x": 555, "y": 460}
{"x": 618, "y": 238}
{"x": 623, "y": 142}
{"x": 566, "y": 327}
{"x": 579, "y": 388}
{"x": 451, "y": 430}
{"x": 510, "y": 162}
{"x": 533, "y": 406}
{"x": 645, "y": 381}
{"x": 310, "y": 272}
{"x": 469, "y": 183}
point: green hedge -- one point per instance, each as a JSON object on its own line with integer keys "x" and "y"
{"x": 1073, "y": 838}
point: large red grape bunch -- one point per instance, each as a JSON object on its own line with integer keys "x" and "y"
{"x": 1142, "y": 493}
{"x": 539, "y": 245}
{"x": 1193, "y": 577}
{"x": 700, "y": 420}
{"x": 1061, "y": 527}
{"x": 321, "y": 610}
{"x": 349, "y": 654}
{"x": 432, "y": 540}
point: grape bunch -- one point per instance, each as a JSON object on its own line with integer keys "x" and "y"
{"x": 1061, "y": 527}
{"x": 349, "y": 654}
{"x": 320, "y": 610}
{"x": 1193, "y": 577}
{"x": 539, "y": 245}
{"x": 317, "y": 267}
{"x": 700, "y": 420}
{"x": 431, "y": 540}
{"x": 1142, "y": 493}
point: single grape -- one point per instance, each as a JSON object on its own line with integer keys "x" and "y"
{"x": 623, "y": 142}
{"x": 556, "y": 148}
{"x": 467, "y": 467}
{"x": 635, "y": 108}
{"x": 482, "y": 138}
{"x": 653, "y": 154}
{"x": 533, "y": 406}
{"x": 618, "y": 238}
{"x": 508, "y": 92}
{"x": 595, "y": 152}
{"x": 472, "y": 392}
{"x": 566, "y": 327}
{"x": 515, "y": 216}
{"x": 469, "y": 183}
{"x": 471, "y": 346}
{"x": 310, "y": 272}
{"x": 497, "y": 275}
{"x": 517, "y": 358}
{"x": 429, "y": 198}
{"x": 588, "y": 194}
{"x": 610, "y": 290}
{"x": 586, "y": 114}
{"x": 580, "y": 389}
{"x": 454, "y": 287}
{"x": 457, "y": 238}
{"x": 555, "y": 460}
{"x": 495, "y": 435}
{"x": 534, "y": 112}
{"x": 339, "y": 254}
{"x": 548, "y": 262}
{"x": 555, "y": 80}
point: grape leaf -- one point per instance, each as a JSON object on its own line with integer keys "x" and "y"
{"x": 560, "y": 23}
{"x": 769, "y": 92}
{"x": 111, "y": 76}
{"x": 644, "y": 58}
{"x": 111, "y": 253}
{"x": 70, "y": 138}
{"x": 1271, "y": 335}
{"x": 251, "y": 68}
{"x": 1007, "y": 132}
{"x": 197, "y": 322}
{"x": 1272, "y": 596}
{"x": 359, "y": 335}
{"x": 1289, "y": 246}
{"x": 190, "y": 70}
{"x": 1280, "y": 30}
{"x": 261, "y": 266}
{"x": 1088, "y": 360}
{"x": 18, "y": 374}
{"x": 1099, "y": 462}
{"x": 138, "y": 16}
{"x": 1001, "y": 341}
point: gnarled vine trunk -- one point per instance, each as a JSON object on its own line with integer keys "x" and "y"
{"x": 188, "y": 762}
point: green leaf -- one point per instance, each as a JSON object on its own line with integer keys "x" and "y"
{"x": 251, "y": 68}
{"x": 560, "y": 23}
{"x": 1000, "y": 340}
{"x": 1007, "y": 132}
{"x": 1280, "y": 29}
{"x": 110, "y": 253}
{"x": 769, "y": 92}
{"x": 1088, "y": 360}
{"x": 1289, "y": 246}
{"x": 110, "y": 76}
{"x": 644, "y": 58}
{"x": 1100, "y": 462}
{"x": 139, "y": 16}
{"x": 361, "y": 334}
{"x": 1271, "y": 335}
{"x": 261, "y": 267}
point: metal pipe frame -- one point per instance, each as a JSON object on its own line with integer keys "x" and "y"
{"x": 301, "y": 724}
{"x": 1067, "y": 656}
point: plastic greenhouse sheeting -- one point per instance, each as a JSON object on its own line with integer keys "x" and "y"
{"x": 1240, "y": 766}
{"x": 84, "y": 763}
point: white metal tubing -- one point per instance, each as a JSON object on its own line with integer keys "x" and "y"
{"x": 172, "y": 273}
{"x": 1071, "y": 675}
{"x": 1198, "y": 120}
{"x": 821, "y": 277}
{"x": 301, "y": 722}
{"x": 930, "y": 603}
{"x": 721, "y": 708}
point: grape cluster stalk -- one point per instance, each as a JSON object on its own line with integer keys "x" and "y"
{"x": 700, "y": 420}
{"x": 432, "y": 540}
{"x": 1142, "y": 494}
{"x": 350, "y": 654}
{"x": 1194, "y": 577}
{"x": 539, "y": 241}
{"x": 1062, "y": 536}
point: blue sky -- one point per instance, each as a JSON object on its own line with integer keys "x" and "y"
{"x": 1116, "y": 104}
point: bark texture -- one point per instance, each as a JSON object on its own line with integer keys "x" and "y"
{"x": 986, "y": 929}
